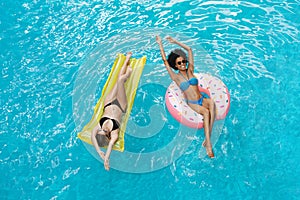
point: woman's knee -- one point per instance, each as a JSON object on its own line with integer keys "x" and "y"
{"x": 211, "y": 104}
{"x": 121, "y": 80}
{"x": 205, "y": 112}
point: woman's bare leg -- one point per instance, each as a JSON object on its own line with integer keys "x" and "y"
{"x": 111, "y": 95}
{"x": 212, "y": 112}
{"x": 206, "y": 118}
{"x": 208, "y": 103}
{"x": 114, "y": 93}
{"x": 123, "y": 76}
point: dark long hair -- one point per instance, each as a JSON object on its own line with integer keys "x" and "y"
{"x": 174, "y": 55}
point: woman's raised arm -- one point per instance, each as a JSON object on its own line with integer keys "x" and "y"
{"x": 114, "y": 138}
{"x": 163, "y": 55}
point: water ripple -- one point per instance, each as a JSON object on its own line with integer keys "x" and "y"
{"x": 43, "y": 46}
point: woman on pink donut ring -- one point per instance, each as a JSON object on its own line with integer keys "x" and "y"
{"x": 188, "y": 83}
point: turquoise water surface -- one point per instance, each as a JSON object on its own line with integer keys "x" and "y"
{"x": 56, "y": 56}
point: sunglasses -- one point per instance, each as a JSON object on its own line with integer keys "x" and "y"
{"x": 183, "y": 62}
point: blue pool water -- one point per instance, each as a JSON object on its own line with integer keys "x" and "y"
{"x": 56, "y": 55}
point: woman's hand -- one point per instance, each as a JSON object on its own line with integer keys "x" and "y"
{"x": 158, "y": 39}
{"x": 106, "y": 164}
{"x": 171, "y": 40}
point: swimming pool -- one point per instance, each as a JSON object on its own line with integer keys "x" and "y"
{"x": 55, "y": 57}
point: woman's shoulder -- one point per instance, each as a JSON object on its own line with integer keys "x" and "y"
{"x": 177, "y": 78}
{"x": 115, "y": 135}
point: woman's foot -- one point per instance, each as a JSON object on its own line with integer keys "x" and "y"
{"x": 127, "y": 60}
{"x": 128, "y": 55}
{"x": 125, "y": 65}
{"x": 210, "y": 152}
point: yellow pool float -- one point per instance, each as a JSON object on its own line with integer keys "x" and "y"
{"x": 131, "y": 85}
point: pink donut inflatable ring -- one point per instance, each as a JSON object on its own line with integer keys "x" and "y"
{"x": 208, "y": 84}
